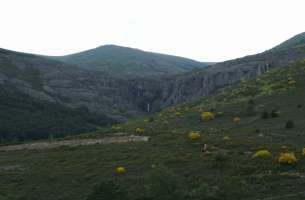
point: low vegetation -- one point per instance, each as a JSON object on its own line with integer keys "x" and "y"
{"x": 188, "y": 157}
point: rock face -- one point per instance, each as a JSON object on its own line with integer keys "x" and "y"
{"x": 120, "y": 98}
{"x": 203, "y": 82}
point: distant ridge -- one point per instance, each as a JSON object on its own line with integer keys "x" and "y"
{"x": 125, "y": 61}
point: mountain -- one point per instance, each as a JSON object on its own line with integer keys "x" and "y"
{"x": 106, "y": 98}
{"x": 129, "y": 62}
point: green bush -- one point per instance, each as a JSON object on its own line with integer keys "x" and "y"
{"x": 265, "y": 115}
{"x": 289, "y": 124}
{"x": 219, "y": 160}
{"x": 108, "y": 190}
{"x": 163, "y": 184}
{"x": 251, "y": 110}
{"x": 275, "y": 113}
{"x": 203, "y": 191}
{"x": 151, "y": 119}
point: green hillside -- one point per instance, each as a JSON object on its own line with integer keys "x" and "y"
{"x": 129, "y": 62}
{"x": 170, "y": 165}
{"x": 25, "y": 118}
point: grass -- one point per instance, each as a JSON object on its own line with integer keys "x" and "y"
{"x": 225, "y": 171}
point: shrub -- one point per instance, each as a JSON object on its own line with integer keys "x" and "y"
{"x": 178, "y": 114}
{"x": 275, "y": 113}
{"x": 236, "y": 120}
{"x": 251, "y": 108}
{"x": 299, "y": 106}
{"x": 151, "y": 119}
{"x": 265, "y": 115}
{"x": 194, "y": 135}
{"x": 219, "y": 114}
{"x": 140, "y": 130}
{"x": 120, "y": 170}
{"x": 163, "y": 184}
{"x": 262, "y": 154}
{"x": 220, "y": 156}
{"x": 226, "y": 138}
{"x": 292, "y": 82}
{"x": 303, "y": 151}
{"x": 289, "y": 124}
{"x": 116, "y": 127}
{"x": 207, "y": 116}
{"x": 203, "y": 191}
{"x": 287, "y": 158}
{"x": 108, "y": 189}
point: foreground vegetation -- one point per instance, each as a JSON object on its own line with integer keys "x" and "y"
{"x": 245, "y": 142}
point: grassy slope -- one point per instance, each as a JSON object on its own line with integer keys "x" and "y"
{"x": 71, "y": 173}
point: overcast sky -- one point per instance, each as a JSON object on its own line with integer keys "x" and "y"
{"x": 205, "y": 30}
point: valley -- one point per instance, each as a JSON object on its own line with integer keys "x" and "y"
{"x": 225, "y": 169}
{"x": 220, "y": 131}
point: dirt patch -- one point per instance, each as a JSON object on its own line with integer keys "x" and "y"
{"x": 10, "y": 168}
{"x": 72, "y": 143}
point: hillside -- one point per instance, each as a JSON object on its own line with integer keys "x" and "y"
{"x": 117, "y": 99}
{"x": 25, "y": 118}
{"x": 129, "y": 62}
{"x": 31, "y": 108}
{"x": 219, "y": 165}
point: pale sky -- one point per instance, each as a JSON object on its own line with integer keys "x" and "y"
{"x": 205, "y": 30}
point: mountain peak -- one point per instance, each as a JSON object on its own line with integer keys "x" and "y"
{"x": 125, "y": 61}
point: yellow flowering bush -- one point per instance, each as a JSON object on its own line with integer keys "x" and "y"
{"x": 303, "y": 152}
{"x": 262, "y": 154}
{"x": 178, "y": 113}
{"x": 116, "y": 127}
{"x": 287, "y": 158}
{"x": 194, "y": 135}
{"x": 226, "y": 138}
{"x": 140, "y": 130}
{"x": 207, "y": 116}
{"x": 292, "y": 82}
{"x": 236, "y": 120}
{"x": 120, "y": 170}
